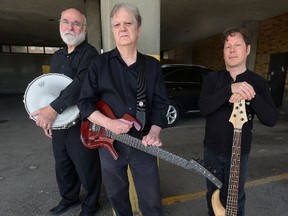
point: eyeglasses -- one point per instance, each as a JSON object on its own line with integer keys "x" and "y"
{"x": 75, "y": 24}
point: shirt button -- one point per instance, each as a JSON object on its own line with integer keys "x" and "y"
{"x": 129, "y": 108}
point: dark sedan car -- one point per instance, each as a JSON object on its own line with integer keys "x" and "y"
{"x": 183, "y": 83}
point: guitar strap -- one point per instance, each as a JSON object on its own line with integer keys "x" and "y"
{"x": 141, "y": 91}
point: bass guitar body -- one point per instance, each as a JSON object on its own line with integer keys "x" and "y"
{"x": 237, "y": 118}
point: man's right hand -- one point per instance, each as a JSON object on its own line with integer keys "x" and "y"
{"x": 242, "y": 90}
{"x": 116, "y": 126}
{"x": 119, "y": 126}
{"x": 48, "y": 133}
{"x": 45, "y": 117}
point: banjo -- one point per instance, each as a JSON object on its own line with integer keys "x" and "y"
{"x": 42, "y": 91}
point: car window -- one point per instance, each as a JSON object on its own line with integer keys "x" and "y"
{"x": 167, "y": 70}
{"x": 184, "y": 75}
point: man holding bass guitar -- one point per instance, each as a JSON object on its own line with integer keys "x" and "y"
{"x": 220, "y": 91}
{"x": 129, "y": 83}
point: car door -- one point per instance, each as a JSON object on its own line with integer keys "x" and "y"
{"x": 184, "y": 86}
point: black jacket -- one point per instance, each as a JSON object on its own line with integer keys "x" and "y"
{"x": 214, "y": 104}
{"x": 110, "y": 79}
{"x": 74, "y": 65}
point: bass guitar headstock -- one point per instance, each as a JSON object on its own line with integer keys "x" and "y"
{"x": 238, "y": 116}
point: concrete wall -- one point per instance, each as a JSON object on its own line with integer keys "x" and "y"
{"x": 149, "y": 41}
{"x": 18, "y": 70}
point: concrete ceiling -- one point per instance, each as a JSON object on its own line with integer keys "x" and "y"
{"x": 34, "y": 22}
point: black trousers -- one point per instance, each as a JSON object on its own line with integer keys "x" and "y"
{"x": 144, "y": 170}
{"x": 221, "y": 163}
{"x": 75, "y": 165}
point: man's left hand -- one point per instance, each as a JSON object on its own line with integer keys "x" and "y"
{"x": 152, "y": 138}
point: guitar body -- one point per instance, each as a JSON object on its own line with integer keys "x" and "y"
{"x": 92, "y": 139}
{"x": 237, "y": 118}
{"x": 218, "y": 209}
{"x": 96, "y": 136}
{"x": 98, "y": 139}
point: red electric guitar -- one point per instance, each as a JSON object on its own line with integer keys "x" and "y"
{"x": 237, "y": 118}
{"x": 95, "y": 136}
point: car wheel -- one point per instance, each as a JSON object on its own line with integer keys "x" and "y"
{"x": 172, "y": 114}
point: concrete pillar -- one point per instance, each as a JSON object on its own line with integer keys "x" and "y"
{"x": 253, "y": 29}
{"x": 148, "y": 43}
{"x": 94, "y": 23}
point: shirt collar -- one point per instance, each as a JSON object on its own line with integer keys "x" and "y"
{"x": 240, "y": 77}
{"x": 116, "y": 54}
{"x": 77, "y": 48}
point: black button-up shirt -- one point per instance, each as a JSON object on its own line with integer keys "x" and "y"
{"x": 214, "y": 104}
{"x": 110, "y": 79}
{"x": 74, "y": 65}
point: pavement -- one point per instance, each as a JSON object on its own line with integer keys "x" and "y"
{"x": 27, "y": 178}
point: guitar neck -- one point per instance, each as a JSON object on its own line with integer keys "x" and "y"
{"x": 232, "y": 197}
{"x": 165, "y": 155}
{"x": 238, "y": 118}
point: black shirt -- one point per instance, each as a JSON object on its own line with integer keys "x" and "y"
{"x": 74, "y": 65}
{"x": 214, "y": 104}
{"x": 110, "y": 79}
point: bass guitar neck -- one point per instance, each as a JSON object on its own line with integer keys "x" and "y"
{"x": 238, "y": 118}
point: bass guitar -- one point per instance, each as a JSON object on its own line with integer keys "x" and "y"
{"x": 237, "y": 118}
{"x": 95, "y": 136}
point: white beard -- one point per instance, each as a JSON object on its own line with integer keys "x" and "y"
{"x": 72, "y": 39}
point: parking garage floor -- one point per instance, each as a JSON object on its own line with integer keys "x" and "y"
{"x": 28, "y": 186}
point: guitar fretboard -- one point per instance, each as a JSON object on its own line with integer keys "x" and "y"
{"x": 165, "y": 155}
{"x": 232, "y": 198}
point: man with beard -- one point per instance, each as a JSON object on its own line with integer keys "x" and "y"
{"x": 74, "y": 163}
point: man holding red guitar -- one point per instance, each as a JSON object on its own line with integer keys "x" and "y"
{"x": 220, "y": 91}
{"x": 130, "y": 83}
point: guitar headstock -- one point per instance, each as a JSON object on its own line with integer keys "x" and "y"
{"x": 238, "y": 116}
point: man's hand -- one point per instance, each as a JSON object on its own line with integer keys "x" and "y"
{"x": 45, "y": 117}
{"x": 48, "y": 132}
{"x": 119, "y": 126}
{"x": 241, "y": 90}
{"x": 235, "y": 98}
{"x": 152, "y": 138}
